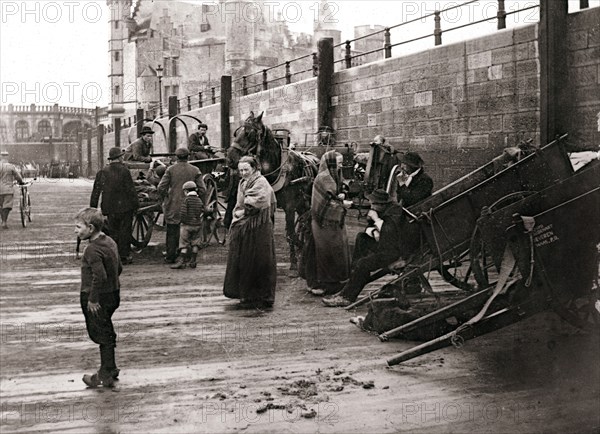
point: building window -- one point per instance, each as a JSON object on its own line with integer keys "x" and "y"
{"x": 167, "y": 64}
{"x": 152, "y": 33}
{"x": 167, "y": 92}
{"x": 117, "y": 56}
{"x": 116, "y": 24}
{"x": 175, "y": 70}
{"x": 175, "y": 90}
{"x": 165, "y": 44}
{"x": 21, "y": 131}
{"x": 3, "y": 132}
{"x": 117, "y": 90}
{"x": 44, "y": 128}
{"x": 204, "y": 27}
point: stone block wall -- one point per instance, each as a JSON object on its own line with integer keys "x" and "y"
{"x": 583, "y": 44}
{"x": 457, "y": 105}
{"x": 293, "y": 106}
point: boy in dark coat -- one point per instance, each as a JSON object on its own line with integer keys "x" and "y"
{"x": 100, "y": 292}
{"x": 190, "y": 240}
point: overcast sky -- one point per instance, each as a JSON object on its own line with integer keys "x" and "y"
{"x": 57, "y": 51}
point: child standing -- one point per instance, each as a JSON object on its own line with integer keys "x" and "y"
{"x": 192, "y": 209}
{"x": 100, "y": 292}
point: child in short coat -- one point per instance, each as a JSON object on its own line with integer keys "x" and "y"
{"x": 191, "y": 236}
{"x": 100, "y": 292}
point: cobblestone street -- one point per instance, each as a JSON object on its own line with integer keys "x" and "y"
{"x": 191, "y": 362}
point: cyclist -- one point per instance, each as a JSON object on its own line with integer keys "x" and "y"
{"x": 8, "y": 174}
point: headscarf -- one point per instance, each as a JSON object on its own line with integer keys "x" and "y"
{"x": 325, "y": 189}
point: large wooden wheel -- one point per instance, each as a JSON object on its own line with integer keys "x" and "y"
{"x": 214, "y": 212}
{"x": 582, "y": 312}
{"x": 141, "y": 229}
{"x": 480, "y": 254}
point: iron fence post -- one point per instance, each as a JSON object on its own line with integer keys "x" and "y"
{"x": 437, "y": 31}
{"x": 288, "y": 75}
{"x": 348, "y": 56}
{"x": 501, "y": 15}
{"x": 199, "y": 99}
{"x": 213, "y": 95}
{"x": 244, "y": 86}
{"x": 388, "y": 43}
{"x": 189, "y": 103}
{"x": 315, "y": 65}
{"x": 265, "y": 84}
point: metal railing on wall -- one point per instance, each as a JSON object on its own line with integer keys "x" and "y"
{"x": 308, "y": 65}
{"x": 349, "y": 59}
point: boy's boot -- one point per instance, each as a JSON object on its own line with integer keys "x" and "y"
{"x": 108, "y": 372}
{"x": 192, "y": 262}
{"x": 181, "y": 261}
{"x": 107, "y": 365}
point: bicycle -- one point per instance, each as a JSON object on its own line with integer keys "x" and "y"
{"x": 25, "y": 204}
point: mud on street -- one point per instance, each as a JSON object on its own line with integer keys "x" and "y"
{"x": 191, "y": 362}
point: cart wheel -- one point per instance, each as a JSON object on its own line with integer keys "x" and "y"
{"x": 481, "y": 255}
{"x": 479, "y": 260}
{"x": 581, "y": 312}
{"x": 25, "y": 208}
{"x": 141, "y": 229}
{"x": 213, "y": 221}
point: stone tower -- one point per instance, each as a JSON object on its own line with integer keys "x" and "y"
{"x": 119, "y": 12}
{"x": 371, "y": 43}
{"x": 239, "y": 30}
{"x": 325, "y": 24}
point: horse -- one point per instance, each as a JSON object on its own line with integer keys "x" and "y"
{"x": 289, "y": 172}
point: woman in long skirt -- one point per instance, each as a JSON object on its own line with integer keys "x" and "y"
{"x": 328, "y": 264}
{"x": 251, "y": 274}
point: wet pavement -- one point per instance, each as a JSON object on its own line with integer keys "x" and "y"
{"x": 191, "y": 362}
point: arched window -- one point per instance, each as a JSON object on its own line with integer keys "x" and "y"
{"x": 21, "y": 131}
{"x": 3, "y": 132}
{"x": 44, "y": 128}
{"x": 70, "y": 130}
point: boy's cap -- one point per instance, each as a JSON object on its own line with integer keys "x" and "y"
{"x": 182, "y": 153}
{"x": 189, "y": 185}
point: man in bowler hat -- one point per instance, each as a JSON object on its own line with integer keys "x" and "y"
{"x": 412, "y": 183}
{"x": 139, "y": 150}
{"x": 397, "y": 238}
{"x": 119, "y": 201}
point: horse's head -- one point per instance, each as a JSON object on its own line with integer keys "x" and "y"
{"x": 254, "y": 138}
{"x": 246, "y": 139}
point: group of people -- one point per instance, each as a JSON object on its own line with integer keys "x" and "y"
{"x": 251, "y": 270}
{"x": 328, "y": 267}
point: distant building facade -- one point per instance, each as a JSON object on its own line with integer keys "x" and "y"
{"x": 195, "y": 44}
{"x": 32, "y": 123}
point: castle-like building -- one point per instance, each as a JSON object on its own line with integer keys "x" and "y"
{"x": 195, "y": 44}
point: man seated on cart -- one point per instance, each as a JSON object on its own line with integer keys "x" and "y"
{"x": 139, "y": 150}
{"x": 412, "y": 183}
{"x": 397, "y": 240}
{"x": 198, "y": 144}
